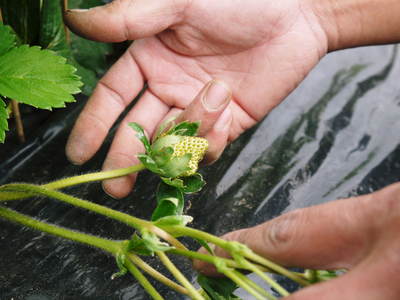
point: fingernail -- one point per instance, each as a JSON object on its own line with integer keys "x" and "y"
{"x": 224, "y": 120}
{"x": 217, "y": 95}
{"x": 76, "y": 10}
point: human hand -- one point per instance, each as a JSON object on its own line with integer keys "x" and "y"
{"x": 261, "y": 49}
{"x": 360, "y": 234}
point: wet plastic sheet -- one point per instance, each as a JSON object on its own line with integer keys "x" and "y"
{"x": 337, "y": 134}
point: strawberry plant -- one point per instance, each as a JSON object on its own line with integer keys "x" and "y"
{"x": 174, "y": 156}
{"x": 41, "y": 63}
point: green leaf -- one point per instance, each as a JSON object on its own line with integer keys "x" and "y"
{"x": 3, "y": 120}
{"x": 163, "y": 156}
{"x": 141, "y": 136}
{"x": 185, "y": 128}
{"x": 182, "y": 220}
{"x": 91, "y": 55}
{"x": 52, "y": 33}
{"x": 193, "y": 184}
{"x": 218, "y": 288}
{"x": 37, "y": 77}
{"x": 7, "y": 38}
{"x": 170, "y": 202}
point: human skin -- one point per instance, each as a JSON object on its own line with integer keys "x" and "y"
{"x": 360, "y": 234}
{"x": 261, "y": 49}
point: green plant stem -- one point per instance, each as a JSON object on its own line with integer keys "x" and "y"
{"x": 195, "y": 233}
{"x": 109, "y": 246}
{"x": 280, "y": 270}
{"x": 155, "y": 274}
{"x": 102, "y": 210}
{"x": 249, "y": 266}
{"x": 242, "y": 283}
{"x": 108, "y": 212}
{"x": 143, "y": 280}
{"x": 193, "y": 293}
{"x": 75, "y": 180}
{"x": 255, "y": 286}
{"x": 206, "y": 257}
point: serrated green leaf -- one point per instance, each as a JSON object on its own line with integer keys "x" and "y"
{"x": 170, "y": 202}
{"x": 218, "y": 288}
{"x": 182, "y": 220}
{"x": 141, "y": 136}
{"x": 3, "y": 120}
{"x": 7, "y": 39}
{"x": 193, "y": 184}
{"x": 37, "y": 77}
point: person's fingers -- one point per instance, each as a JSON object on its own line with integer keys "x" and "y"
{"x": 123, "y": 20}
{"x": 207, "y": 106}
{"x": 126, "y": 145}
{"x": 374, "y": 279}
{"x": 119, "y": 86}
{"x": 331, "y": 235}
{"x": 218, "y": 136}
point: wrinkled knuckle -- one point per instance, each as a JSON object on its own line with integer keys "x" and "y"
{"x": 282, "y": 233}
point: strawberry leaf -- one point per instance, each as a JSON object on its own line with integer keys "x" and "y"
{"x": 37, "y": 77}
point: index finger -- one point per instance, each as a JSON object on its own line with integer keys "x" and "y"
{"x": 119, "y": 86}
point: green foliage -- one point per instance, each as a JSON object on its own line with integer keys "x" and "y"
{"x": 37, "y": 77}
{"x": 7, "y": 38}
{"x": 218, "y": 288}
{"x": 24, "y": 17}
{"x": 141, "y": 136}
{"x": 3, "y": 120}
{"x": 170, "y": 202}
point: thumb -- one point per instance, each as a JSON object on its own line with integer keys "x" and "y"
{"x": 328, "y": 236}
{"x": 123, "y": 20}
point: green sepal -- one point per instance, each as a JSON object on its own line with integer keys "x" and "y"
{"x": 153, "y": 243}
{"x": 175, "y": 182}
{"x": 185, "y": 128}
{"x": 193, "y": 183}
{"x": 164, "y": 125}
{"x": 163, "y": 156}
{"x": 170, "y": 202}
{"x": 141, "y": 136}
{"x": 218, "y": 288}
{"x": 149, "y": 163}
{"x": 177, "y": 166}
{"x": 182, "y": 220}
{"x": 137, "y": 245}
{"x": 120, "y": 259}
